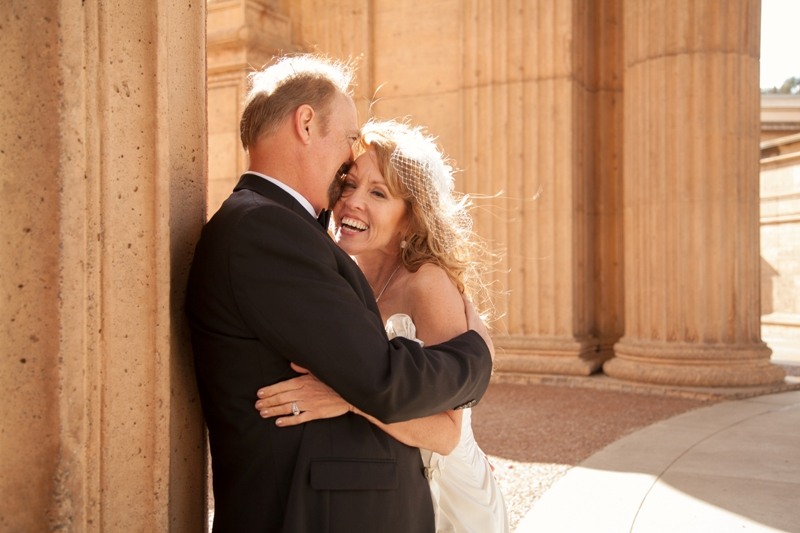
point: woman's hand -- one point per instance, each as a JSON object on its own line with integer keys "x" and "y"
{"x": 312, "y": 398}
{"x": 474, "y": 322}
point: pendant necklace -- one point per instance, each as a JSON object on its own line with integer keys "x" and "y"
{"x": 388, "y": 281}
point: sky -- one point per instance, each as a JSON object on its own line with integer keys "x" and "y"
{"x": 780, "y": 50}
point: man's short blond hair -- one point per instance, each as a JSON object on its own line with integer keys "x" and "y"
{"x": 286, "y": 84}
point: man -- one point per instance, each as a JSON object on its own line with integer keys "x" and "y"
{"x": 269, "y": 287}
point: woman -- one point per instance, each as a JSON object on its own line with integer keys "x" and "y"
{"x": 396, "y": 214}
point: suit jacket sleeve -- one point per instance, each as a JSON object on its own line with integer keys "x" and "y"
{"x": 305, "y": 299}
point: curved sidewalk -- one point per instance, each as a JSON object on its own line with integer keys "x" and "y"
{"x": 732, "y": 466}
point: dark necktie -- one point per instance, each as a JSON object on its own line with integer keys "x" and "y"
{"x": 324, "y": 218}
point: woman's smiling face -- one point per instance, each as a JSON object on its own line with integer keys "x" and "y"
{"x": 368, "y": 217}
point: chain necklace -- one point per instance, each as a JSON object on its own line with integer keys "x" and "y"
{"x": 388, "y": 281}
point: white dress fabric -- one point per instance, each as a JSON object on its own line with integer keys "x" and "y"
{"x": 466, "y": 498}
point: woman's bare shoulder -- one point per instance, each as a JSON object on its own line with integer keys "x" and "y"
{"x": 436, "y": 304}
{"x": 430, "y": 278}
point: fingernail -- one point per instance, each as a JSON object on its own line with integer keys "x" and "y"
{"x": 265, "y": 412}
{"x": 279, "y": 422}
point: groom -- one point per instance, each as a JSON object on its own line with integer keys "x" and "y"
{"x": 269, "y": 287}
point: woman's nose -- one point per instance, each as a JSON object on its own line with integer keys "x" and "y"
{"x": 356, "y": 199}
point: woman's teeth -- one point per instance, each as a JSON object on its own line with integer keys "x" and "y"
{"x": 353, "y": 224}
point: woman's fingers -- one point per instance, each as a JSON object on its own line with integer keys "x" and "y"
{"x": 299, "y": 400}
{"x": 283, "y": 386}
{"x": 299, "y": 369}
{"x": 282, "y": 409}
{"x": 281, "y": 393}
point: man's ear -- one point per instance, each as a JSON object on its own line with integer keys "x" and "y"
{"x": 303, "y": 122}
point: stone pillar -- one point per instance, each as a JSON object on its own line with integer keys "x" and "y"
{"x": 691, "y": 196}
{"x": 102, "y": 167}
{"x": 534, "y": 105}
{"x": 603, "y": 82}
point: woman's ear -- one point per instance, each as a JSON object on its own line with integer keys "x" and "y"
{"x": 303, "y": 122}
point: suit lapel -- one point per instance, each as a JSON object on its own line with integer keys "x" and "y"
{"x": 269, "y": 190}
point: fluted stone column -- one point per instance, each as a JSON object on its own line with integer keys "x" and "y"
{"x": 534, "y": 107}
{"x": 691, "y": 196}
{"x": 102, "y": 171}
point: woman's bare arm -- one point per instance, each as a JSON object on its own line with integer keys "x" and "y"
{"x": 315, "y": 400}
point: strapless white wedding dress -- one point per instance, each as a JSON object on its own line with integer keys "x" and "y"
{"x": 466, "y": 498}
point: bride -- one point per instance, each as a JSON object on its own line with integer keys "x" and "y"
{"x": 396, "y": 214}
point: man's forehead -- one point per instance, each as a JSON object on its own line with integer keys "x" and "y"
{"x": 347, "y": 108}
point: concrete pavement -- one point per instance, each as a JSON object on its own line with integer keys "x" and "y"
{"x": 732, "y": 466}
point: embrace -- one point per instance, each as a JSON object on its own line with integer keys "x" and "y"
{"x": 336, "y": 375}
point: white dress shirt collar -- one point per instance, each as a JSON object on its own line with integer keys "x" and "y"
{"x": 296, "y": 195}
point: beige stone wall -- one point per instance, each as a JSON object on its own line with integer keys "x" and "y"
{"x": 103, "y": 175}
{"x": 242, "y": 36}
{"x": 780, "y": 225}
{"x": 780, "y": 255}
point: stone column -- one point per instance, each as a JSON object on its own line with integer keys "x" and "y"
{"x": 534, "y": 105}
{"x": 103, "y": 176}
{"x": 691, "y": 196}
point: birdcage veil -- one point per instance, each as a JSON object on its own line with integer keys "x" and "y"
{"x": 426, "y": 174}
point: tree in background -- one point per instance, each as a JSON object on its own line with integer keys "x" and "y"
{"x": 790, "y": 86}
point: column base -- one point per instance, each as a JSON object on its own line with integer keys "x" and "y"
{"x": 564, "y": 356}
{"x": 692, "y": 365}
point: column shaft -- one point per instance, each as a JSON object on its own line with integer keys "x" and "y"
{"x": 691, "y": 195}
{"x": 534, "y": 104}
{"x": 109, "y": 161}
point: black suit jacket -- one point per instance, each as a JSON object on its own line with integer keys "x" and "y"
{"x": 268, "y": 286}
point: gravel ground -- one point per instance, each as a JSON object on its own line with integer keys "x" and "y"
{"x": 534, "y": 433}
